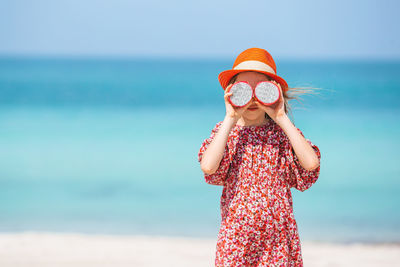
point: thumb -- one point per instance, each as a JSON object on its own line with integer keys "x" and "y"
{"x": 228, "y": 87}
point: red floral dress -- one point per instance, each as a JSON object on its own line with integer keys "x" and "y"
{"x": 257, "y": 170}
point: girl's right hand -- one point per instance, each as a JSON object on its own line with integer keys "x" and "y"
{"x": 231, "y": 111}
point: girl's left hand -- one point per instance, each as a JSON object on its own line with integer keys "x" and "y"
{"x": 276, "y": 110}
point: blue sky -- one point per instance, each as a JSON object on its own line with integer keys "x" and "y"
{"x": 202, "y": 29}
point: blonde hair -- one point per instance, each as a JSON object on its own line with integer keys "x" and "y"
{"x": 291, "y": 93}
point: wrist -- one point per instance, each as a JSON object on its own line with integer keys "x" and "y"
{"x": 231, "y": 120}
{"x": 282, "y": 119}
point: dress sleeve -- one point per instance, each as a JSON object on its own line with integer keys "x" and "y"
{"x": 295, "y": 174}
{"x": 218, "y": 177}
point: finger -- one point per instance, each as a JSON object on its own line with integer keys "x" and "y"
{"x": 227, "y": 95}
{"x": 228, "y": 87}
{"x": 281, "y": 91}
{"x": 260, "y": 105}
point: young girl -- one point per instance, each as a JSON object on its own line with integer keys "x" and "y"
{"x": 257, "y": 155}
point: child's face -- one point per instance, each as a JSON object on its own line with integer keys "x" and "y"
{"x": 252, "y": 77}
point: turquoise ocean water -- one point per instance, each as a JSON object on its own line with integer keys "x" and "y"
{"x": 110, "y": 146}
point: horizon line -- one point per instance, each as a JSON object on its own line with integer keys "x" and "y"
{"x": 182, "y": 57}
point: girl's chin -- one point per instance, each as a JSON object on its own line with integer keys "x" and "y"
{"x": 251, "y": 115}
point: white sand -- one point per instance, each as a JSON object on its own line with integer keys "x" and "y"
{"x": 65, "y": 249}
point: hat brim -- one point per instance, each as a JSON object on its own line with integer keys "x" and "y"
{"x": 225, "y": 76}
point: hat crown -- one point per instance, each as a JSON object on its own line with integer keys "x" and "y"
{"x": 256, "y": 54}
{"x": 252, "y": 59}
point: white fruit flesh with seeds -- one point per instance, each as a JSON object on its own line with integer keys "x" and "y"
{"x": 267, "y": 92}
{"x": 241, "y": 94}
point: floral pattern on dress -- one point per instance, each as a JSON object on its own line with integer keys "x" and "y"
{"x": 257, "y": 170}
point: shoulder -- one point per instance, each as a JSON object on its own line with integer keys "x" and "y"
{"x": 217, "y": 126}
{"x": 277, "y": 133}
{"x": 233, "y": 134}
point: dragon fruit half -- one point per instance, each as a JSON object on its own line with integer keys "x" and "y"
{"x": 267, "y": 93}
{"x": 242, "y": 94}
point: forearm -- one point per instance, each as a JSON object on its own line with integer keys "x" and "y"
{"x": 304, "y": 152}
{"x": 215, "y": 150}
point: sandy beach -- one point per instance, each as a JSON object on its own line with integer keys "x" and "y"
{"x": 68, "y": 249}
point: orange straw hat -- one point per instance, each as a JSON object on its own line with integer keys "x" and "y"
{"x": 252, "y": 59}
